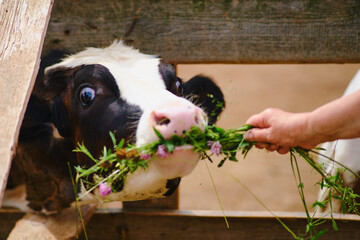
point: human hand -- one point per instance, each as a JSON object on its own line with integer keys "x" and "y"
{"x": 279, "y": 130}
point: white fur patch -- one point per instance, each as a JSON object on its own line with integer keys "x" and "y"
{"x": 16, "y": 198}
{"x": 344, "y": 151}
{"x": 116, "y": 52}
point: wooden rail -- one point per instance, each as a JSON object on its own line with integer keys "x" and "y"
{"x": 205, "y": 31}
{"x": 175, "y": 225}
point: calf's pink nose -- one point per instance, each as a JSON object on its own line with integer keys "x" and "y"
{"x": 177, "y": 119}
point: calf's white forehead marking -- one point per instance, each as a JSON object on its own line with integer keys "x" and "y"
{"x": 141, "y": 84}
{"x": 116, "y": 52}
{"x": 137, "y": 75}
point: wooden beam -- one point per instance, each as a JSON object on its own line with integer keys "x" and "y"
{"x": 208, "y": 31}
{"x": 174, "y": 225}
{"x": 23, "y": 27}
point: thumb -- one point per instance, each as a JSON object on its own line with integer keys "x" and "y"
{"x": 259, "y": 135}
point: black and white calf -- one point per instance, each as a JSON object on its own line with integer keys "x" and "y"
{"x": 87, "y": 95}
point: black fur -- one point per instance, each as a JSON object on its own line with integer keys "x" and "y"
{"x": 59, "y": 116}
{"x": 172, "y": 185}
{"x": 168, "y": 74}
{"x": 200, "y": 90}
{"x": 205, "y": 93}
{"x": 41, "y": 162}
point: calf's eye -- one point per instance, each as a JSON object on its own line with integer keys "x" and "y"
{"x": 87, "y": 95}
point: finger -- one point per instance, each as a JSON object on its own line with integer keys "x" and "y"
{"x": 283, "y": 150}
{"x": 259, "y": 135}
{"x": 261, "y": 145}
{"x": 252, "y": 120}
{"x": 260, "y": 120}
{"x": 272, "y": 147}
{"x": 256, "y": 121}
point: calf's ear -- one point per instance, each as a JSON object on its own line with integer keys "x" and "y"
{"x": 49, "y": 83}
{"x": 203, "y": 92}
{"x": 55, "y": 82}
{"x": 52, "y": 88}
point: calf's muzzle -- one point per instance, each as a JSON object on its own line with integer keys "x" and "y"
{"x": 177, "y": 119}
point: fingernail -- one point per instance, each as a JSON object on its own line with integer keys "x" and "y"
{"x": 248, "y": 135}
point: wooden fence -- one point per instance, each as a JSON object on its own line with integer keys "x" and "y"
{"x": 182, "y": 31}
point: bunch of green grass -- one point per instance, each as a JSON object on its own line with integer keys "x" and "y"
{"x": 117, "y": 163}
{"x": 110, "y": 167}
{"x": 336, "y": 190}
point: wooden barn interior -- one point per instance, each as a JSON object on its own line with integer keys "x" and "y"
{"x": 294, "y": 55}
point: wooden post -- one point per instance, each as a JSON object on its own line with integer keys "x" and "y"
{"x": 23, "y": 27}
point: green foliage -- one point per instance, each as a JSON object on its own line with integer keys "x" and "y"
{"x": 336, "y": 190}
{"x": 115, "y": 164}
{"x": 108, "y": 168}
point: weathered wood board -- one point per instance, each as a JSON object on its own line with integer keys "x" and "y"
{"x": 175, "y": 225}
{"x": 207, "y": 31}
{"x": 23, "y": 26}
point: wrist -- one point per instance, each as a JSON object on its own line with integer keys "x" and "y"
{"x": 307, "y": 132}
{"x": 319, "y": 128}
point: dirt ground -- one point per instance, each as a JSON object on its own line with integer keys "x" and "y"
{"x": 249, "y": 89}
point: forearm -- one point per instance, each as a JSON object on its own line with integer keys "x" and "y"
{"x": 279, "y": 130}
{"x": 339, "y": 119}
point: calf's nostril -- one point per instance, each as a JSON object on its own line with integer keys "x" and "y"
{"x": 162, "y": 120}
{"x": 196, "y": 119}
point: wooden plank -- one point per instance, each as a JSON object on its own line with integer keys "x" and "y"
{"x": 208, "y": 31}
{"x": 174, "y": 225}
{"x": 23, "y": 26}
{"x": 63, "y": 226}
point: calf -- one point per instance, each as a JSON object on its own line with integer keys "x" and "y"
{"x": 87, "y": 95}
{"x": 346, "y": 152}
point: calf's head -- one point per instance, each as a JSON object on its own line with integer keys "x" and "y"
{"x": 121, "y": 90}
